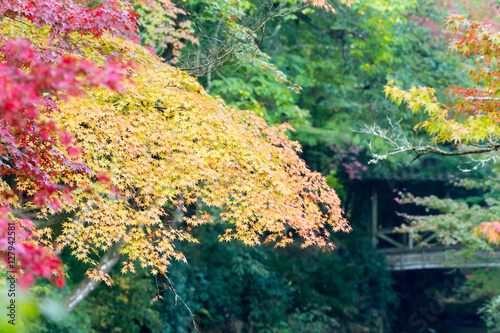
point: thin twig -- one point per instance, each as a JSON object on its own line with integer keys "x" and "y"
{"x": 177, "y": 297}
{"x": 230, "y": 53}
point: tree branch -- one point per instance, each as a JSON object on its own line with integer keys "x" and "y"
{"x": 482, "y": 98}
{"x": 424, "y": 150}
{"x": 227, "y": 52}
{"x": 87, "y": 285}
{"x": 177, "y": 297}
{"x": 402, "y": 144}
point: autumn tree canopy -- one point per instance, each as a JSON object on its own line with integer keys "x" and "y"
{"x": 140, "y": 167}
{"x": 98, "y": 128}
{"x": 463, "y": 122}
{"x": 470, "y": 117}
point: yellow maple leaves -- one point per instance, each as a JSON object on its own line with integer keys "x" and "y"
{"x": 164, "y": 137}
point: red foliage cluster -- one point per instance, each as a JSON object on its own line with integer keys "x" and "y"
{"x": 65, "y": 17}
{"x": 30, "y": 84}
{"x": 348, "y": 159}
{"x": 486, "y": 11}
{"x": 21, "y": 251}
{"x": 475, "y": 41}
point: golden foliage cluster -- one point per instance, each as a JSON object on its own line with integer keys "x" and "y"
{"x": 162, "y": 139}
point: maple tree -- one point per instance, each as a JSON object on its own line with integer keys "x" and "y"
{"x": 341, "y": 62}
{"x": 471, "y": 118}
{"x": 470, "y": 121}
{"x": 162, "y": 28}
{"x": 457, "y": 222}
{"x": 95, "y": 125}
{"x": 465, "y": 123}
{"x": 33, "y": 78}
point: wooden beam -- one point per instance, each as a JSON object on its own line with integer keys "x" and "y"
{"x": 392, "y": 241}
{"x": 431, "y": 237}
{"x": 374, "y": 200}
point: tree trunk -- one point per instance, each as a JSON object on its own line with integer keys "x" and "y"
{"x": 86, "y": 286}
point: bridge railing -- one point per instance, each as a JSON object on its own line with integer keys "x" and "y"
{"x": 390, "y": 238}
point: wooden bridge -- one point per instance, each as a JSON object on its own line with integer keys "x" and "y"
{"x": 413, "y": 251}
{"x": 411, "y": 255}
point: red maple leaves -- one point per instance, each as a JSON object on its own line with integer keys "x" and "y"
{"x": 65, "y": 17}
{"x": 21, "y": 250}
{"x": 32, "y": 79}
{"x": 477, "y": 43}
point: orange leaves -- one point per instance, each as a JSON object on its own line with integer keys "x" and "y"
{"x": 472, "y": 118}
{"x": 491, "y": 230}
{"x": 325, "y": 5}
{"x": 166, "y": 138}
{"x": 321, "y": 3}
{"x": 162, "y": 138}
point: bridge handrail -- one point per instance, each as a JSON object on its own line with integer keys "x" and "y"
{"x": 406, "y": 244}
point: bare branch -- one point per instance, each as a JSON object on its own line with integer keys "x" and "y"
{"x": 177, "y": 297}
{"x": 400, "y": 144}
{"x": 424, "y": 150}
{"x": 229, "y": 51}
{"x": 482, "y": 98}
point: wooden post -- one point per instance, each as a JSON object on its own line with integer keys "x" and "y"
{"x": 374, "y": 199}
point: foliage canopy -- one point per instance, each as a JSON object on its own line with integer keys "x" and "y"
{"x": 140, "y": 137}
